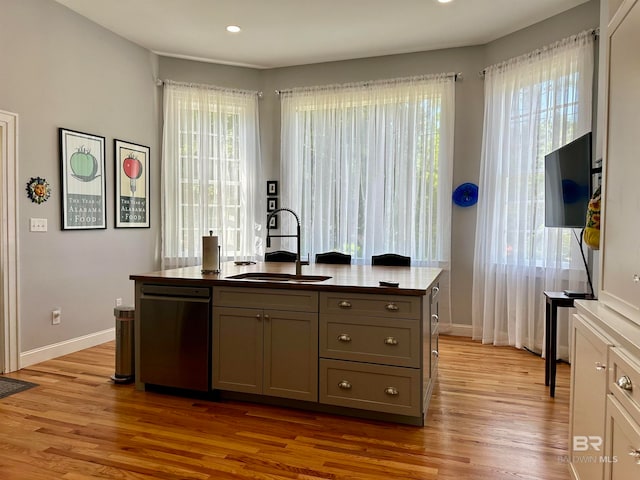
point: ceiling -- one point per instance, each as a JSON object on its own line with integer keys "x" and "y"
{"x": 278, "y": 33}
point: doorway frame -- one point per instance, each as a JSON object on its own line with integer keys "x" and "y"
{"x": 9, "y": 281}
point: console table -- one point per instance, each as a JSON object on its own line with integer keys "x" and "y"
{"x": 554, "y": 301}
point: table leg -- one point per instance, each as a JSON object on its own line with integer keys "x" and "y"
{"x": 547, "y": 336}
{"x": 553, "y": 350}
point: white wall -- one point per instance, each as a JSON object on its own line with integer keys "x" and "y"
{"x": 57, "y": 69}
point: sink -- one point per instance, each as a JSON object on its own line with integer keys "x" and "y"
{"x": 279, "y": 277}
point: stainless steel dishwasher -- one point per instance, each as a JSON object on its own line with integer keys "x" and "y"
{"x": 175, "y": 336}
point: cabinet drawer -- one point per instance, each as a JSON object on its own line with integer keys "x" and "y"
{"x": 624, "y": 381}
{"x": 292, "y": 300}
{"x": 394, "y": 306}
{"x": 375, "y": 340}
{"x": 370, "y": 387}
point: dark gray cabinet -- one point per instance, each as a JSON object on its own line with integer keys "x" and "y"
{"x": 269, "y": 346}
{"x": 379, "y": 352}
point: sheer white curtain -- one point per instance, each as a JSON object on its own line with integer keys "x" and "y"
{"x": 533, "y": 105}
{"x": 210, "y": 172}
{"x": 368, "y": 166}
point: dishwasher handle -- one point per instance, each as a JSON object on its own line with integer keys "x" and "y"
{"x": 176, "y": 291}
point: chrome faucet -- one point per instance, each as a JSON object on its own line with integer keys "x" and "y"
{"x": 297, "y": 235}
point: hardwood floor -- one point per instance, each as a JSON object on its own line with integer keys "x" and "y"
{"x": 491, "y": 417}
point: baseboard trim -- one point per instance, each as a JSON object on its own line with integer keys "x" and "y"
{"x": 458, "y": 330}
{"x": 55, "y": 350}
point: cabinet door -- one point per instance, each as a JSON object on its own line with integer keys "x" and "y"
{"x": 622, "y": 455}
{"x": 237, "y": 349}
{"x": 620, "y": 282}
{"x": 291, "y": 354}
{"x": 588, "y": 399}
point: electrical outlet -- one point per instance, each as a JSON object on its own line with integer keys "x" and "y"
{"x": 38, "y": 225}
{"x": 56, "y": 316}
{"x": 118, "y": 302}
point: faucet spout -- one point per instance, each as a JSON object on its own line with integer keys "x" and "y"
{"x": 297, "y": 236}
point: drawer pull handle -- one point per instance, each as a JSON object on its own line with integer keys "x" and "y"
{"x": 344, "y": 304}
{"x": 344, "y": 338}
{"x": 636, "y": 278}
{"x": 391, "y": 341}
{"x": 600, "y": 366}
{"x": 435, "y": 317}
{"x": 259, "y": 317}
{"x": 392, "y": 307}
{"x": 391, "y": 391}
{"x": 624, "y": 383}
{"x": 436, "y": 290}
{"x": 344, "y": 385}
{"x": 435, "y": 353}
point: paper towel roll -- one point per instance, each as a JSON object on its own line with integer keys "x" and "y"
{"x": 210, "y": 254}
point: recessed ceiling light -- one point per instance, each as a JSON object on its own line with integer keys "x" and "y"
{"x": 444, "y": 1}
{"x": 233, "y": 28}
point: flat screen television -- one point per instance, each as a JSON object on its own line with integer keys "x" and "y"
{"x": 567, "y": 174}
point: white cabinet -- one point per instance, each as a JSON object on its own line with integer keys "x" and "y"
{"x": 622, "y": 452}
{"x": 614, "y": 319}
{"x": 604, "y": 438}
{"x": 588, "y": 398}
{"x": 620, "y": 278}
{"x": 623, "y": 443}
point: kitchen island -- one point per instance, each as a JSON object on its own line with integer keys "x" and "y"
{"x": 333, "y": 340}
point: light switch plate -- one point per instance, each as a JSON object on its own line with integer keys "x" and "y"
{"x": 38, "y": 225}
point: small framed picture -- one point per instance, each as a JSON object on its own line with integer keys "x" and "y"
{"x": 132, "y": 185}
{"x": 272, "y": 204}
{"x": 272, "y": 187}
{"x": 83, "y": 181}
{"x": 273, "y": 222}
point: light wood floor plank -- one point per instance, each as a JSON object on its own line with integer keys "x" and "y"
{"x": 491, "y": 417}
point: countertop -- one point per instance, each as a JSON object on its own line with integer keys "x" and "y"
{"x": 415, "y": 281}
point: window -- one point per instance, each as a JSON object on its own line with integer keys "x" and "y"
{"x": 544, "y": 116}
{"x": 210, "y": 169}
{"x": 368, "y": 167}
{"x": 533, "y": 104}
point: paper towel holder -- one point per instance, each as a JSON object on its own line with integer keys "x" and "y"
{"x": 219, "y": 269}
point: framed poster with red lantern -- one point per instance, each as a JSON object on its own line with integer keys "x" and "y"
{"x": 83, "y": 180}
{"x": 132, "y": 185}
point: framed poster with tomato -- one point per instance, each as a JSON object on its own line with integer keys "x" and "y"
{"x": 132, "y": 185}
{"x": 82, "y": 179}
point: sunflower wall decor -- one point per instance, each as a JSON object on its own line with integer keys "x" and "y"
{"x": 38, "y": 190}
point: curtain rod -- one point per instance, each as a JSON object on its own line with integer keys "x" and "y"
{"x": 595, "y": 32}
{"x": 160, "y": 82}
{"x": 455, "y": 76}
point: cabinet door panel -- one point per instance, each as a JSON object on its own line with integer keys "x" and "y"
{"x": 623, "y": 438}
{"x": 291, "y": 355}
{"x": 237, "y": 349}
{"x": 588, "y": 395}
{"x": 621, "y": 230}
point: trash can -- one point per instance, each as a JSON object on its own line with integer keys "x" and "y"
{"x": 124, "y": 345}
